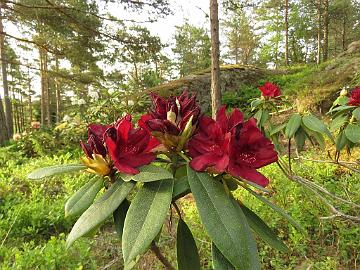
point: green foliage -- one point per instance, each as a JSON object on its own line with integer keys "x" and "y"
{"x": 240, "y": 99}
{"x": 218, "y": 212}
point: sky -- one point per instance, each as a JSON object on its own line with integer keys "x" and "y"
{"x": 185, "y": 10}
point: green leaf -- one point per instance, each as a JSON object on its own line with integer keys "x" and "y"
{"x": 319, "y": 138}
{"x": 352, "y": 132}
{"x": 356, "y": 114}
{"x": 148, "y": 173}
{"x": 119, "y": 217}
{"x": 264, "y": 117}
{"x": 342, "y": 100}
{"x": 277, "y": 209}
{"x": 181, "y": 188}
{"x": 224, "y": 221}
{"x": 218, "y": 260}
{"x": 277, "y": 129}
{"x": 340, "y": 141}
{"x": 300, "y": 137}
{"x": 337, "y": 122}
{"x": 145, "y": 217}
{"x": 100, "y": 210}
{"x": 293, "y": 125}
{"x": 187, "y": 253}
{"x": 258, "y": 115}
{"x": 316, "y": 125}
{"x": 263, "y": 230}
{"x": 53, "y": 170}
{"x": 341, "y": 109}
{"x": 83, "y": 198}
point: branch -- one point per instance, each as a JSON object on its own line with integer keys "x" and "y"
{"x": 314, "y": 188}
{"x": 32, "y": 42}
{"x": 102, "y": 17}
{"x": 160, "y": 256}
{"x": 345, "y": 164}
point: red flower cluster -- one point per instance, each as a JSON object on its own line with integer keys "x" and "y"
{"x": 95, "y": 143}
{"x": 270, "y": 90}
{"x": 231, "y": 145}
{"x": 225, "y": 145}
{"x": 354, "y": 99}
{"x": 119, "y": 145}
{"x": 129, "y": 147}
{"x": 169, "y": 117}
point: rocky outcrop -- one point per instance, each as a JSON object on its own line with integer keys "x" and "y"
{"x": 232, "y": 78}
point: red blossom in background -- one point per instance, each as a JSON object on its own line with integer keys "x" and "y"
{"x": 354, "y": 99}
{"x": 95, "y": 143}
{"x": 270, "y": 90}
{"x": 169, "y": 117}
{"x": 231, "y": 145}
{"x": 129, "y": 147}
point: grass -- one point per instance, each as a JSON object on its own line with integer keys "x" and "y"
{"x": 33, "y": 228}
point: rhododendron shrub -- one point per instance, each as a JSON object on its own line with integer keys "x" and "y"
{"x": 172, "y": 151}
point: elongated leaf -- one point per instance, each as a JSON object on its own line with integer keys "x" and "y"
{"x": 100, "y": 210}
{"x": 219, "y": 261}
{"x": 187, "y": 253}
{"x": 316, "y": 125}
{"x": 258, "y": 116}
{"x": 263, "y": 230}
{"x": 340, "y": 141}
{"x": 293, "y": 125}
{"x": 319, "y": 138}
{"x": 277, "y": 209}
{"x": 277, "y": 129}
{"x": 145, "y": 217}
{"x": 300, "y": 137}
{"x": 356, "y": 114}
{"x": 224, "y": 221}
{"x": 181, "y": 188}
{"x": 83, "y": 198}
{"x": 119, "y": 217}
{"x": 53, "y": 170}
{"x": 341, "y": 108}
{"x": 352, "y": 133}
{"x": 337, "y": 122}
{"x": 148, "y": 173}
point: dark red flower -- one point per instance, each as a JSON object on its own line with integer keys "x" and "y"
{"x": 232, "y": 146}
{"x": 95, "y": 143}
{"x": 270, "y": 90}
{"x": 96, "y": 154}
{"x": 249, "y": 151}
{"x": 354, "y": 99}
{"x": 169, "y": 117}
{"x": 129, "y": 147}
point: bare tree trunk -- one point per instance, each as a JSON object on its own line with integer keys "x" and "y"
{"x": 4, "y": 136}
{"x": 43, "y": 90}
{"x": 287, "y": 32}
{"x": 215, "y": 55}
{"x": 326, "y": 30}
{"x": 318, "y": 58}
{"x": 15, "y": 112}
{"x": 343, "y": 33}
{"x": 8, "y": 112}
{"x": 47, "y": 83}
{"x": 29, "y": 99}
{"x": 58, "y": 93}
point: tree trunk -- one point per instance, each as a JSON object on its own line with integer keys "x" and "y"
{"x": 215, "y": 55}
{"x": 326, "y": 30}
{"x": 8, "y": 112}
{"x": 4, "y": 136}
{"x": 47, "y": 85}
{"x": 43, "y": 90}
{"x": 58, "y": 93}
{"x": 287, "y": 32}
{"x": 318, "y": 58}
{"x": 29, "y": 99}
{"x": 343, "y": 33}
